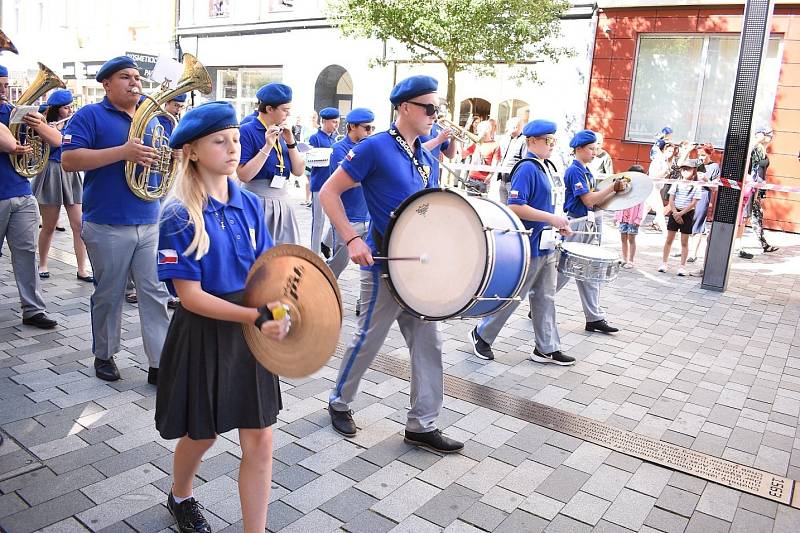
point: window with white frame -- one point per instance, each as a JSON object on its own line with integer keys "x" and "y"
{"x": 239, "y": 85}
{"x": 686, "y": 82}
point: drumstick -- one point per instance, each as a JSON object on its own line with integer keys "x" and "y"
{"x": 422, "y": 258}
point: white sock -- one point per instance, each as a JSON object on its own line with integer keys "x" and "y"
{"x": 181, "y": 500}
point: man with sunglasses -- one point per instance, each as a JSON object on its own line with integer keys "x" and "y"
{"x": 390, "y": 166}
{"x": 359, "y": 127}
{"x": 580, "y": 201}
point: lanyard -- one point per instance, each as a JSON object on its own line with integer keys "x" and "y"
{"x": 424, "y": 174}
{"x": 277, "y": 147}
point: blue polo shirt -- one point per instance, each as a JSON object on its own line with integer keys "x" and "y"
{"x": 531, "y": 186}
{"x": 167, "y": 123}
{"x": 320, "y": 174}
{"x": 434, "y": 132}
{"x": 232, "y": 249}
{"x": 106, "y": 196}
{"x": 353, "y": 199}
{"x": 578, "y": 180}
{"x": 11, "y": 183}
{"x": 251, "y": 138}
{"x": 387, "y": 175}
{"x": 249, "y": 118}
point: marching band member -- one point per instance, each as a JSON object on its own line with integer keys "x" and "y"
{"x": 54, "y": 187}
{"x": 580, "y": 202}
{"x": 174, "y": 108}
{"x": 536, "y": 196}
{"x": 323, "y": 138}
{"x": 269, "y": 155}
{"x": 359, "y": 127}
{"x": 19, "y": 215}
{"x": 120, "y": 230}
{"x": 390, "y": 166}
{"x": 210, "y": 382}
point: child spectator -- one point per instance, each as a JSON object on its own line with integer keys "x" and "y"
{"x": 683, "y": 198}
{"x": 629, "y": 221}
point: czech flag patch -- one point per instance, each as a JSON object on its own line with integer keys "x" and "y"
{"x": 350, "y": 155}
{"x": 578, "y": 185}
{"x": 167, "y": 257}
{"x": 66, "y": 139}
{"x": 513, "y": 194}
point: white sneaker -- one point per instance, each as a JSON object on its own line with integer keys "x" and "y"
{"x": 628, "y": 265}
{"x": 663, "y": 267}
{"x": 681, "y": 271}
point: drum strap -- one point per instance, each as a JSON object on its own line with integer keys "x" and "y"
{"x": 424, "y": 174}
{"x": 550, "y": 171}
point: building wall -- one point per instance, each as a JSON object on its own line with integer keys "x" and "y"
{"x": 612, "y": 80}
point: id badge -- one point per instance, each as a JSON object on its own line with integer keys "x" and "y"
{"x": 277, "y": 182}
{"x": 590, "y": 217}
{"x": 548, "y": 239}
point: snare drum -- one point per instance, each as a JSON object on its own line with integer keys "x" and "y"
{"x": 477, "y": 255}
{"x": 587, "y": 262}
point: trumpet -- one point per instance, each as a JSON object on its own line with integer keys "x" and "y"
{"x": 460, "y": 134}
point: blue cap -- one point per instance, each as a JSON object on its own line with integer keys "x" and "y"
{"x": 360, "y": 115}
{"x": 181, "y": 97}
{"x": 3, "y": 72}
{"x": 274, "y": 94}
{"x": 113, "y": 65}
{"x": 59, "y": 97}
{"x": 203, "y": 120}
{"x": 537, "y": 128}
{"x": 329, "y": 113}
{"x": 413, "y": 87}
{"x": 666, "y": 130}
{"x": 582, "y": 138}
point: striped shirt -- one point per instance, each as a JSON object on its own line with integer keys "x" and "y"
{"x": 684, "y": 194}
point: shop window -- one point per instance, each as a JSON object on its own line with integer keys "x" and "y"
{"x": 239, "y": 86}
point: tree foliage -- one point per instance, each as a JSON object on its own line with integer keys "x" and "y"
{"x": 472, "y": 35}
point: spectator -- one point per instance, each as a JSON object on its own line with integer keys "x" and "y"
{"x": 629, "y": 221}
{"x": 485, "y": 152}
{"x": 662, "y": 167}
{"x": 513, "y": 148}
{"x": 707, "y": 172}
{"x": 683, "y": 198}
{"x": 662, "y": 139}
{"x": 759, "y": 162}
{"x": 602, "y": 165}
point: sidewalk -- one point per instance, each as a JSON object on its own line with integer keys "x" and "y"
{"x": 713, "y": 372}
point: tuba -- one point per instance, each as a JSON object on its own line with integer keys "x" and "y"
{"x": 31, "y": 163}
{"x": 151, "y": 182}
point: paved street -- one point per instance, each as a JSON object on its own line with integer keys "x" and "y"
{"x": 714, "y": 372}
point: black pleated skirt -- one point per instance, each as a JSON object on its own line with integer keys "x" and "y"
{"x": 209, "y": 382}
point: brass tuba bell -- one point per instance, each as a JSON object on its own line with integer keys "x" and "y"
{"x": 152, "y": 182}
{"x": 6, "y": 45}
{"x": 33, "y": 162}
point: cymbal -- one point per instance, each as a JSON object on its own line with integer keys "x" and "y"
{"x": 297, "y": 277}
{"x": 638, "y": 189}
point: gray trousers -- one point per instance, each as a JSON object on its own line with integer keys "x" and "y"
{"x": 115, "y": 250}
{"x": 540, "y": 287}
{"x": 503, "y": 191}
{"x": 317, "y": 222}
{"x": 589, "y": 291}
{"x": 19, "y": 220}
{"x": 422, "y": 338}
{"x": 340, "y": 258}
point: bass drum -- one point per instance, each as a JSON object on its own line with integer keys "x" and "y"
{"x": 476, "y": 255}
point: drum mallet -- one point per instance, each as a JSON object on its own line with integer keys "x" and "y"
{"x": 422, "y": 258}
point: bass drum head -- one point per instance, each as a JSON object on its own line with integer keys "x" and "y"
{"x": 443, "y": 227}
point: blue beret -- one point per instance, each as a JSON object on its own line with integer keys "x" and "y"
{"x": 203, "y": 120}
{"x": 42, "y": 108}
{"x": 537, "y": 128}
{"x": 113, "y": 65}
{"x": 582, "y": 138}
{"x": 328, "y": 113}
{"x": 3, "y": 72}
{"x": 360, "y": 115}
{"x": 666, "y": 130}
{"x": 181, "y": 97}
{"x": 274, "y": 94}
{"x": 59, "y": 98}
{"x": 412, "y": 87}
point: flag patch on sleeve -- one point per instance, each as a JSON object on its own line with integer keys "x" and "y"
{"x": 350, "y": 155}
{"x": 513, "y": 194}
{"x": 67, "y": 139}
{"x": 578, "y": 185}
{"x": 167, "y": 257}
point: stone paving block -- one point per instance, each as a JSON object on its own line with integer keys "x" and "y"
{"x": 542, "y": 506}
{"x": 461, "y": 527}
{"x": 11, "y": 503}
{"x": 587, "y": 457}
{"x": 623, "y": 462}
{"x": 331, "y": 457}
{"x": 686, "y": 482}
{"x": 484, "y": 475}
{"x": 606, "y": 482}
{"x": 787, "y": 519}
{"x": 415, "y": 524}
{"x": 292, "y": 453}
{"x": 483, "y": 516}
{"x": 758, "y": 505}
{"x": 562, "y": 484}
{"x": 630, "y": 509}
{"x": 420, "y": 458}
{"x": 530, "y": 438}
{"x": 510, "y": 455}
{"x": 123, "y": 482}
{"x": 745, "y": 521}
{"x": 80, "y": 457}
{"x": 281, "y": 515}
{"x": 586, "y": 508}
{"x": 446, "y": 506}
{"x": 665, "y": 521}
{"x": 222, "y": 464}
{"x": 47, "y": 513}
{"x": 100, "y": 434}
{"x": 349, "y": 504}
{"x": 703, "y": 523}
{"x": 294, "y": 477}
{"x": 369, "y": 522}
{"x": 132, "y": 458}
{"x": 649, "y": 479}
{"x": 718, "y": 501}
{"x": 521, "y": 521}
{"x": 215, "y": 490}
{"x": 313, "y": 494}
{"x": 502, "y": 499}
{"x": 678, "y": 501}
{"x": 550, "y": 455}
{"x": 386, "y": 451}
{"x": 604, "y": 526}
{"x": 49, "y": 488}
{"x": 57, "y": 447}
{"x": 314, "y": 522}
{"x": 357, "y": 469}
{"x": 155, "y": 518}
{"x": 68, "y": 525}
{"x": 387, "y": 479}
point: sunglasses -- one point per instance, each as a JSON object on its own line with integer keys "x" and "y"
{"x": 549, "y": 141}
{"x": 430, "y": 109}
{"x": 367, "y": 128}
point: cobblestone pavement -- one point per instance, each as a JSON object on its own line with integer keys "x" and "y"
{"x": 715, "y": 372}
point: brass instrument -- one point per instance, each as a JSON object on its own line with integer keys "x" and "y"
{"x": 154, "y": 181}
{"x": 460, "y": 134}
{"x": 6, "y": 45}
{"x": 33, "y": 162}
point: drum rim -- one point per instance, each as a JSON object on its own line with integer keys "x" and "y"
{"x": 385, "y": 252}
{"x": 565, "y": 251}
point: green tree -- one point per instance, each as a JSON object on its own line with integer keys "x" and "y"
{"x": 472, "y": 35}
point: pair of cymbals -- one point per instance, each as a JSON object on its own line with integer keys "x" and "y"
{"x": 638, "y": 187}
{"x": 298, "y": 278}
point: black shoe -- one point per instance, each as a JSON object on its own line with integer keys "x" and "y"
{"x": 552, "y": 358}
{"x": 152, "y": 376}
{"x": 44, "y": 274}
{"x": 745, "y": 255}
{"x": 434, "y": 440}
{"x": 172, "y": 303}
{"x": 480, "y": 347}
{"x": 87, "y": 279}
{"x": 40, "y": 320}
{"x": 343, "y": 422}
{"x": 131, "y": 298}
{"x": 61, "y": 228}
{"x": 326, "y": 251}
{"x": 601, "y": 326}
{"x": 106, "y": 369}
{"x": 769, "y": 248}
{"x": 187, "y": 515}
